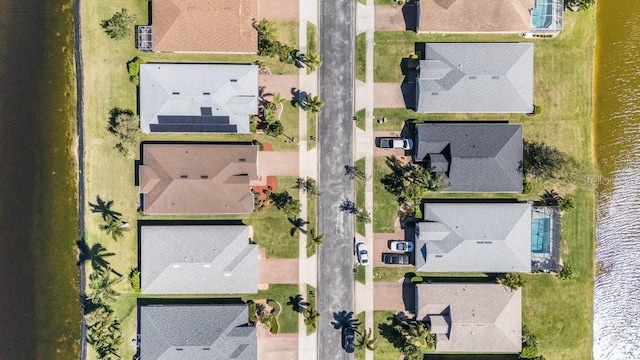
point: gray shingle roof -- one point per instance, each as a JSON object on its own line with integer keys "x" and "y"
{"x": 197, "y": 97}
{"x": 196, "y": 332}
{"x": 474, "y": 237}
{"x": 196, "y": 259}
{"x": 476, "y": 78}
{"x": 481, "y": 157}
{"x": 472, "y": 317}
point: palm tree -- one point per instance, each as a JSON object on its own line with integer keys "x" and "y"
{"x": 104, "y": 209}
{"x": 96, "y": 254}
{"x": 277, "y": 99}
{"x": 311, "y": 317}
{"x": 511, "y": 280}
{"x": 115, "y": 228}
{"x": 313, "y": 61}
{"x": 367, "y": 340}
{"x": 298, "y": 224}
{"x": 100, "y": 284}
{"x": 298, "y": 304}
{"x": 419, "y": 336}
{"x": 313, "y": 104}
{"x": 313, "y": 238}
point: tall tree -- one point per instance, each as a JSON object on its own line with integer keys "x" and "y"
{"x": 312, "y": 60}
{"x": 311, "y": 317}
{"x": 313, "y": 238}
{"x": 313, "y": 104}
{"x": 120, "y": 25}
{"x": 101, "y": 287}
{"x": 115, "y": 228}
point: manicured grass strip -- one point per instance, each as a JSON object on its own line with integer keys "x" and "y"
{"x": 360, "y": 119}
{"x": 312, "y": 218}
{"x": 310, "y": 297}
{"x": 391, "y": 273}
{"x": 312, "y": 38}
{"x": 360, "y": 274}
{"x": 361, "y": 56}
{"x": 361, "y": 353}
{"x": 288, "y": 319}
{"x": 385, "y": 205}
{"x": 312, "y": 120}
{"x": 360, "y": 188}
{"x": 386, "y": 2}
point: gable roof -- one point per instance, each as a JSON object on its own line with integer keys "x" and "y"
{"x": 475, "y": 16}
{"x": 472, "y": 317}
{"x": 204, "y": 26}
{"x": 476, "y": 78}
{"x": 197, "y": 97}
{"x": 196, "y": 332}
{"x": 474, "y": 157}
{"x": 197, "y": 178}
{"x": 474, "y": 237}
{"x": 198, "y": 259}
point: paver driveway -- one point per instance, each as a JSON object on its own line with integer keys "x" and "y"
{"x": 397, "y": 297}
{"x": 276, "y": 346}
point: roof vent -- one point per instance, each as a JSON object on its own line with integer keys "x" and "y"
{"x": 204, "y": 176}
{"x": 206, "y": 93}
{"x": 184, "y": 176}
{"x": 242, "y": 160}
{"x": 495, "y": 77}
{"x": 438, "y": 256}
{"x": 206, "y": 348}
{"x": 234, "y": 80}
{"x": 176, "y": 93}
{"x": 435, "y": 93}
{"x": 473, "y": 77}
{"x": 179, "y": 349}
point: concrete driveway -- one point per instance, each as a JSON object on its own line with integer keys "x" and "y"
{"x": 404, "y": 155}
{"x": 381, "y": 245}
{"x": 286, "y": 85}
{"x": 278, "y": 163}
{"x": 475, "y": 16}
{"x": 276, "y": 271}
{"x": 396, "y": 297}
{"x": 276, "y": 346}
{"x": 389, "y": 17}
{"x": 278, "y": 9}
{"x": 388, "y": 95}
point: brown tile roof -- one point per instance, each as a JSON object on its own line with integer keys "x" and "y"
{"x": 223, "y": 26}
{"x": 197, "y": 178}
{"x": 475, "y": 16}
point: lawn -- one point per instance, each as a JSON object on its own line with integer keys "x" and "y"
{"x": 361, "y": 57}
{"x": 558, "y": 312}
{"x": 392, "y": 273}
{"x": 361, "y": 274}
{"x": 385, "y": 205}
{"x": 312, "y": 218}
{"x": 360, "y": 188}
{"x": 312, "y": 120}
{"x": 361, "y": 353}
{"x": 384, "y": 349}
{"x": 360, "y": 119}
{"x": 310, "y": 297}
{"x": 312, "y": 41}
{"x": 288, "y": 319}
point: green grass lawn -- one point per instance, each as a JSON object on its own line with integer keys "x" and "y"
{"x": 360, "y": 274}
{"x": 385, "y": 205}
{"x": 361, "y": 353}
{"x": 288, "y": 319}
{"x": 310, "y": 297}
{"x": 391, "y": 273}
{"x": 361, "y": 56}
{"x": 312, "y": 217}
{"x": 312, "y": 40}
{"x": 386, "y": 2}
{"x": 360, "y": 119}
{"x": 384, "y": 349}
{"x": 312, "y": 120}
{"x": 360, "y": 188}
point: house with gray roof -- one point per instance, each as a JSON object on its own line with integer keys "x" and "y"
{"x": 471, "y": 318}
{"x": 193, "y": 98}
{"x": 196, "y": 332}
{"x": 474, "y": 237}
{"x": 198, "y": 259}
{"x": 472, "y": 157}
{"x": 475, "y": 78}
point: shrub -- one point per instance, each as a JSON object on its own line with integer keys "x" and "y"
{"x": 536, "y": 109}
{"x": 417, "y": 279}
{"x": 253, "y": 124}
{"x": 275, "y": 327}
{"x": 133, "y": 67}
{"x": 566, "y": 272}
{"x": 527, "y": 186}
{"x": 252, "y": 312}
{"x": 134, "y": 279}
{"x": 275, "y": 307}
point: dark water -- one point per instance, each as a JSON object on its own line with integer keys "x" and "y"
{"x": 617, "y": 108}
{"x": 39, "y": 313}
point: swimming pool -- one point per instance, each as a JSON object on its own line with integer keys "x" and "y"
{"x": 540, "y": 235}
{"x": 542, "y": 14}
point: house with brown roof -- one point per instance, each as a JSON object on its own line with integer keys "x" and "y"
{"x": 471, "y": 318}
{"x": 197, "y": 178}
{"x": 206, "y": 26}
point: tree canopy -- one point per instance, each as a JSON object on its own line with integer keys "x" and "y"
{"x": 120, "y": 25}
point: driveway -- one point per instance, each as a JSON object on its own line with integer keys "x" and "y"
{"x": 286, "y": 85}
{"x": 277, "y": 271}
{"x": 389, "y": 17}
{"x": 276, "y": 346}
{"x": 399, "y": 153}
{"x": 396, "y": 297}
{"x": 475, "y": 16}
{"x": 388, "y": 95}
{"x": 381, "y": 245}
{"x": 278, "y": 163}
{"x": 278, "y": 9}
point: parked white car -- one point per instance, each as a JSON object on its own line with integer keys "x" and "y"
{"x": 362, "y": 253}
{"x": 396, "y": 143}
{"x": 401, "y": 246}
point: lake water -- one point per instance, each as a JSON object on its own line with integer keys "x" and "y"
{"x": 617, "y": 289}
{"x": 39, "y": 309}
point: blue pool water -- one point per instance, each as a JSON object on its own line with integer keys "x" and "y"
{"x": 540, "y": 235}
{"x": 541, "y": 15}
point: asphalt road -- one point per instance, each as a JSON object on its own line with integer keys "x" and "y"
{"x": 335, "y": 127}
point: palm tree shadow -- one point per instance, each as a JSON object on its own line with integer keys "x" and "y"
{"x": 344, "y": 319}
{"x": 104, "y": 209}
{"x": 298, "y": 304}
